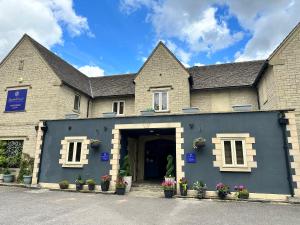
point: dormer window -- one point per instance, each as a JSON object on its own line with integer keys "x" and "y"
{"x": 160, "y": 101}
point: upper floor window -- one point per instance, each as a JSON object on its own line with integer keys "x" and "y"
{"x": 77, "y": 103}
{"x": 233, "y": 153}
{"x": 118, "y": 107}
{"x": 160, "y": 101}
{"x": 16, "y": 100}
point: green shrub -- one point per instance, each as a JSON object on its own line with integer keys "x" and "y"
{"x": 243, "y": 194}
{"x": 26, "y": 167}
{"x": 90, "y": 182}
{"x": 125, "y": 171}
{"x": 170, "y": 166}
{"x": 6, "y": 171}
{"x": 64, "y": 184}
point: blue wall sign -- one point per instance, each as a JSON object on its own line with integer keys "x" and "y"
{"x": 16, "y": 100}
{"x": 104, "y": 156}
{"x": 190, "y": 157}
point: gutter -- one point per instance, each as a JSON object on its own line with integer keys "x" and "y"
{"x": 283, "y": 122}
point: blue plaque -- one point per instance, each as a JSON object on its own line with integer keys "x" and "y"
{"x": 104, "y": 156}
{"x": 16, "y": 100}
{"x": 190, "y": 157}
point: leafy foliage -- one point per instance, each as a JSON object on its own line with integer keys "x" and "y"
{"x": 26, "y": 167}
{"x": 125, "y": 171}
{"x": 90, "y": 182}
{"x": 170, "y": 166}
{"x": 10, "y": 153}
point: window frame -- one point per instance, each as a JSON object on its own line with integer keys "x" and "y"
{"x": 118, "y": 107}
{"x": 73, "y": 162}
{"x": 79, "y": 101}
{"x": 160, "y": 92}
{"x": 233, "y": 153}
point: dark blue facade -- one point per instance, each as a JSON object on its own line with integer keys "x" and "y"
{"x": 270, "y": 176}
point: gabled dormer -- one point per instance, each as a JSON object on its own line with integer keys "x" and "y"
{"x": 162, "y": 83}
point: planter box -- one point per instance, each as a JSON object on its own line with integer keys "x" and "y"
{"x": 191, "y": 110}
{"x": 147, "y": 113}
{"x": 109, "y": 114}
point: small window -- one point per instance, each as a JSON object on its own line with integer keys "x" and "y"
{"x": 118, "y": 107}
{"x": 160, "y": 101}
{"x": 233, "y": 153}
{"x": 77, "y": 103}
{"x": 74, "y": 152}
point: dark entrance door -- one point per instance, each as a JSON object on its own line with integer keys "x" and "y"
{"x": 156, "y": 153}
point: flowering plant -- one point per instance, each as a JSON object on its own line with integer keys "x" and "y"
{"x": 120, "y": 182}
{"x": 183, "y": 183}
{"x": 168, "y": 185}
{"x": 105, "y": 178}
{"x": 241, "y": 191}
{"x": 223, "y": 190}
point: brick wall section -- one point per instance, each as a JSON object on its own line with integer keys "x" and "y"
{"x": 162, "y": 69}
{"x": 284, "y": 78}
{"x": 102, "y": 105}
{"x": 46, "y": 97}
{"x": 223, "y": 100}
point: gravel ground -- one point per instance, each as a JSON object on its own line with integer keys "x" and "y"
{"x": 25, "y": 206}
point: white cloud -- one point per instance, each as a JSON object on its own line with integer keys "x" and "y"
{"x": 199, "y": 64}
{"x": 195, "y": 23}
{"x": 44, "y": 20}
{"x": 92, "y": 71}
{"x": 182, "y": 55}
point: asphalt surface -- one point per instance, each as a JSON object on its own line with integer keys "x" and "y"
{"x": 25, "y": 206}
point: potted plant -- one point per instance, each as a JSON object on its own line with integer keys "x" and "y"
{"x": 201, "y": 188}
{"x": 241, "y": 192}
{"x": 79, "y": 183}
{"x": 64, "y": 184}
{"x": 26, "y": 168}
{"x": 148, "y": 112}
{"x": 120, "y": 185}
{"x": 3, "y": 160}
{"x": 125, "y": 172}
{"x": 27, "y": 176}
{"x": 105, "y": 180}
{"x": 91, "y": 184}
{"x": 183, "y": 186}
{"x": 199, "y": 143}
{"x": 1, "y": 174}
{"x": 95, "y": 144}
{"x": 170, "y": 169}
{"x": 169, "y": 188}
{"x": 8, "y": 177}
{"x": 222, "y": 190}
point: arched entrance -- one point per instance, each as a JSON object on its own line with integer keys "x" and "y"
{"x": 156, "y": 152}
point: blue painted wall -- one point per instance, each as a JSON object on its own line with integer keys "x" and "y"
{"x": 269, "y": 177}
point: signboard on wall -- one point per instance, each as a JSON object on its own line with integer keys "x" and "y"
{"x": 16, "y": 100}
{"x": 104, "y": 156}
{"x": 190, "y": 157}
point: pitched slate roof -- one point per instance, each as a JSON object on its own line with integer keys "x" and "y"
{"x": 204, "y": 77}
{"x": 66, "y": 72}
{"x": 226, "y": 75}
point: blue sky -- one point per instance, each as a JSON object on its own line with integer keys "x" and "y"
{"x": 116, "y": 36}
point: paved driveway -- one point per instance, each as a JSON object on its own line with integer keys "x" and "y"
{"x": 23, "y": 206}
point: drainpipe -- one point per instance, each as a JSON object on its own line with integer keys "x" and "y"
{"x": 44, "y": 129}
{"x": 283, "y": 122}
{"x": 88, "y": 108}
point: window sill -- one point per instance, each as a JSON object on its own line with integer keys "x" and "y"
{"x": 76, "y": 111}
{"x": 72, "y": 165}
{"x": 236, "y": 169}
{"x": 163, "y": 111}
{"x": 14, "y": 111}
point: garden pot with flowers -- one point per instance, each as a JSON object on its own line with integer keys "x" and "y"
{"x": 199, "y": 143}
{"x": 223, "y": 190}
{"x": 105, "y": 180}
{"x": 183, "y": 186}
{"x": 120, "y": 186}
{"x": 79, "y": 183}
{"x": 91, "y": 184}
{"x": 125, "y": 172}
{"x": 241, "y": 191}
{"x": 201, "y": 188}
{"x": 169, "y": 188}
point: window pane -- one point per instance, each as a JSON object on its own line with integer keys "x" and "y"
{"x": 77, "y": 102}
{"x": 71, "y": 150}
{"x": 121, "y": 110}
{"x": 227, "y": 150}
{"x": 164, "y": 101}
{"x": 78, "y": 152}
{"x": 115, "y": 107}
{"x": 156, "y": 101}
{"x": 239, "y": 152}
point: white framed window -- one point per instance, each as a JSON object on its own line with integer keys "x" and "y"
{"x": 160, "y": 101}
{"x": 118, "y": 107}
{"x": 74, "y": 152}
{"x": 77, "y": 102}
{"x": 234, "y": 153}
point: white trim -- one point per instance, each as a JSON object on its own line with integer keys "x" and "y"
{"x": 118, "y": 107}
{"x": 74, "y": 152}
{"x": 160, "y": 100}
{"x": 233, "y": 153}
{"x": 79, "y": 101}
